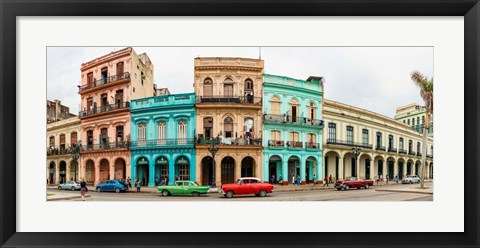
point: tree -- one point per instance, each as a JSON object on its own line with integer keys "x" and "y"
{"x": 426, "y": 92}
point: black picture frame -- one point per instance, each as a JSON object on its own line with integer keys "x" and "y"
{"x": 9, "y": 10}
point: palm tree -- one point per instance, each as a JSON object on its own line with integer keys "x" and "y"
{"x": 426, "y": 92}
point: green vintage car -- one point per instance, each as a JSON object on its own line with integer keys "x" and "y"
{"x": 183, "y": 188}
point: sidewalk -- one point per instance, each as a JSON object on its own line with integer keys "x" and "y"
{"x": 63, "y": 196}
{"x": 381, "y": 186}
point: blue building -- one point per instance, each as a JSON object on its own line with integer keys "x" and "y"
{"x": 162, "y": 142}
{"x": 292, "y": 129}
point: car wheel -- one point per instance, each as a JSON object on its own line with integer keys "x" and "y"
{"x": 196, "y": 194}
{"x": 367, "y": 186}
{"x": 411, "y": 182}
{"x": 73, "y": 188}
{"x": 229, "y": 194}
{"x": 99, "y": 190}
{"x": 339, "y": 188}
{"x": 165, "y": 192}
{"x": 262, "y": 193}
{"x": 117, "y": 190}
{"x": 60, "y": 188}
{"x": 347, "y": 187}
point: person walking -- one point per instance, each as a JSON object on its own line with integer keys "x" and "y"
{"x": 386, "y": 179}
{"x": 298, "y": 180}
{"x": 396, "y": 179}
{"x": 378, "y": 178}
{"x": 137, "y": 184}
{"x": 129, "y": 181}
{"x": 280, "y": 180}
{"x": 325, "y": 181}
{"x": 293, "y": 180}
{"x": 330, "y": 179}
{"x": 83, "y": 188}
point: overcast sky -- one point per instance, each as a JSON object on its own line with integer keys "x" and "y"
{"x": 374, "y": 78}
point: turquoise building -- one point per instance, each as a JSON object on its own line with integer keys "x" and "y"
{"x": 292, "y": 129}
{"x": 162, "y": 142}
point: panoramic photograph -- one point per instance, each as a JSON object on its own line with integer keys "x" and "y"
{"x": 239, "y": 124}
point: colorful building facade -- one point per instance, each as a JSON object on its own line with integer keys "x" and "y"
{"x": 292, "y": 129}
{"x": 108, "y": 84}
{"x": 229, "y": 110}
{"x": 162, "y": 146}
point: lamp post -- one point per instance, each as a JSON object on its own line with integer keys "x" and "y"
{"x": 356, "y": 152}
{"x": 213, "y": 149}
{"x": 75, "y": 157}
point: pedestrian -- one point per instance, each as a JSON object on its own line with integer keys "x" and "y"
{"x": 157, "y": 181}
{"x": 298, "y": 180}
{"x": 129, "y": 181}
{"x": 273, "y": 177}
{"x": 293, "y": 180}
{"x": 381, "y": 178}
{"x": 83, "y": 188}
{"x": 396, "y": 178}
{"x": 314, "y": 179}
{"x": 386, "y": 179}
{"x": 330, "y": 179}
{"x": 326, "y": 180}
{"x": 280, "y": 180}
{"x": 138, "y": 184}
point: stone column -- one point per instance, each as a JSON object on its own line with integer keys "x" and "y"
{"x": 303, "y": 168}
{"x": 373, "y": 175}
{"x": 357, "y": 164}
{"x": 218, "y": 171}
{"x": 285, "y": 171}
{"x": 237, "y": 167}
{"x": 171, "y": 172}
{"x": 97, "y": 171}
{"x": 67, "y": 171}
{"x": 341, "y": 168}
{"x": 83, "y": 169}
{"x": 151, "y": 173}
{"x": 112, "y": 169}
{"x": 57, "y": 173}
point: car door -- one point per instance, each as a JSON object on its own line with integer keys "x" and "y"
{"x": 254, "y": 186}
{"x": 186, "y": 188}
{"x": 177, "y": 188}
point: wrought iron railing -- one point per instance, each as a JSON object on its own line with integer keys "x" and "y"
{"x": 276, "y": 143}
{"x": 402, "y": 151}
{"x": 111, "y": 79}
{"x": 314, "y": 146}
{"x": 105, "y": 146}
{"x": 380, "y": 148}
{"x": 411, "y": 153}
{"x": 103, "y": 109}
{"x": 292, "y": 120}
{"x": 230, "y": 141}
{"x": 392, "y": 149}
{"x": 161, "y": 142}
{"x": 348, "y": 143}
{"x": 419, "y": 154}
{"x": 59, "y": 150}
{"x": 294, "y": 144}
{"x": 429, "y": 155}
{"x": 229, "y": 99}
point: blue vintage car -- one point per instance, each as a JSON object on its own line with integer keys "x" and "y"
{"x": 111, "y": 185}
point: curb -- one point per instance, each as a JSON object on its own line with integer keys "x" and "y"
{"x": 66, "y": 198}
{"x": 405, "y": 191}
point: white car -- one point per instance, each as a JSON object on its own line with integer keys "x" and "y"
{"x": 71, "y": 185}
{"x": 411, "y": 179}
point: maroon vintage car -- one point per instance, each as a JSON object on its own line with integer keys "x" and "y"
{"x": 246, "y": 186}
{"x": 353, "y": 183}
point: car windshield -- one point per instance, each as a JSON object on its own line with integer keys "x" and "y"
{"x": 238, "y": 181}
{"x": 194, "y": 184}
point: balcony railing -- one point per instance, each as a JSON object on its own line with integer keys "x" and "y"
{"x": 161, "y": 143}
{"x": 294, "y": 144}
{"x": 313, "y": 146}
{"x": 392, "y": 149}
{"x": 276, "y": 143}
{"x": 104, "y": 109}
{"x": 289, "y": 119}
{"x": 419, "y": 154}
{"x": 402, "y": 151}
{"x": 106, "y": 146}
{"x": 380, "y": 148}
{"x": 58, "y": 150}
{"x": 111, "y": 79}
{"x": 411, "y": 153}
{"x": 348, "y": 143}
{"x": 429, "y": 155}
{"x": 230, "y": 141}
{"x": 229, "y": 99}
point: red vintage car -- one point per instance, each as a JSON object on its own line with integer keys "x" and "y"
{"x": 246, "y": 186}
{"x": 353, "y": 183}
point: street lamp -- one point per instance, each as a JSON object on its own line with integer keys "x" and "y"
{"x": 356, "y": 152}
{"x": 213, "y": 149}
{"x": 75, "y": 157}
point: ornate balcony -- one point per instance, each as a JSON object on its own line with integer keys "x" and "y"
{"x": 229, "y": 99}
{"x": 348, "y": 143}
{"x": 106, "y": 146}
{"x": 419, "y": 154}
{"x": 411, "y": 152}
{"x": 104, "y": 109}
{"x": 380, "y": 148}
{"x": 392, "y": 149}
{"x": 59, "y": 150}
{"x": 158, "y": 143}
{"x": 402, "y": 151}
{"x": 294, "y": 144}
{"x": 224, "y": 141}
{"x": 304, "y": 121}
{"x": 312, "y": 146}
{"x": 276, "y": 143}
{"x": 429, "y": 155}
{"x": 124, "y": 77}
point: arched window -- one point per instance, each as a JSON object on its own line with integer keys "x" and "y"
{"x": 249, "y": 87}
{"x": 311, "y": 111}
{"x": 182, "y": 132}
{"x": 161, "y": 133}
{"x": 228, "y": 127}
{"x": 275, "y": 105}
{"x": 142, "y": 134}
{"x": 208, "y": 127}
{"x": 207, "y": 87}
{"x": 293, "y": 110}
{"x": 228, "y": 87}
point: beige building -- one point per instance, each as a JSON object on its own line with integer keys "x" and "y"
{"x": 62, "y": 138}
{"x": 229, "y": 107}
{"x": 387, "y": 146}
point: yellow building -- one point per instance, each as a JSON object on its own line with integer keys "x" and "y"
{"x": 387, "y": 147}
{"x": 229, "y": 109}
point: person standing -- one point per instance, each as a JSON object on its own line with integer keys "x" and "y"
{"x": 330, "y": 179}
{"x": 83, "y": 188}
{"x": 298, "y": 180}
{"x": 129, "y": 181}
{"x": 280, "y": 180}
{"x": 386, "y": 179}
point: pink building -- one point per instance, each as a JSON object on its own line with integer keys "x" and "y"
{"x": 108, "y": 85}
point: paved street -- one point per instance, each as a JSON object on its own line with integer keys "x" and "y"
{"x": 310, "y": 195}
